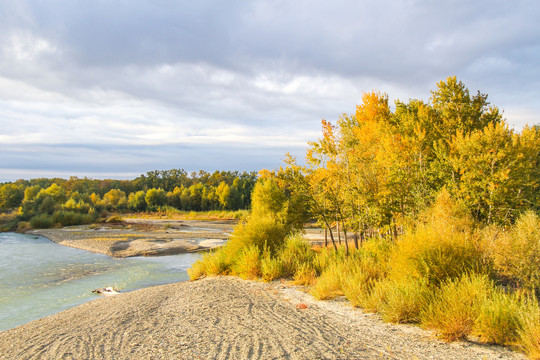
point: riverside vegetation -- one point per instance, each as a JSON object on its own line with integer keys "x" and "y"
{"x": 435, "y": 207}
{"x": 45, "y": 203}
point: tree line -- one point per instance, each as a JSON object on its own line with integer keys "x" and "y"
{"x": 45, "y": 202}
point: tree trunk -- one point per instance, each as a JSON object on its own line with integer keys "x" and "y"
{"x": 338, "y": 232}
{"x": 356, "y": 241}
{"x": 346, "y": 242}
{"x": 331, "y": 235}
{"x": 325, "y": 236}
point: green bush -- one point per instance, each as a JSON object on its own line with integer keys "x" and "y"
{"x": 43, "y": 221}
{"x": 69, "y": 218}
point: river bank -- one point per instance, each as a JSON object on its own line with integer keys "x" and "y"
{"x": 142, "y": 237}
{"x": 227, "y": 318}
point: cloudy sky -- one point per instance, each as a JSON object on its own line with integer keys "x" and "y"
{"x": 108, "y": 88}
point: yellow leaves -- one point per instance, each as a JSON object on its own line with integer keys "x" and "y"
{"x": 374, "y": 107}
{"x": 266, "y": 174}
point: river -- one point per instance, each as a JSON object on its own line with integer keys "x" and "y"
{"x": 39, "y": 277}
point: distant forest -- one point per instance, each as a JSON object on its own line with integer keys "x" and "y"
{"x": 48, "y": 202}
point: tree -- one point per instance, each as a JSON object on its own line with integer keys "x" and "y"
{"x": 496, "y": 171}
{"x": 11, "y": 196}
{"x": 115, "y": 199}
{"x": 137, "y": 201}
{"x": 156, "y": 197}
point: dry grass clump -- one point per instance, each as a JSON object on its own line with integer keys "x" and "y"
{"x": 499, "y": 319}
{"x": 212, "y": 263}
{"x": 529, "y": 334}
{"x": 403, "y": 301}
{"x": 436, "y": 254}
{"x": 328, "y": 284}
{"x": 271, "y": 267}
{"x": 455, "y": 306}
{"x": 247, "y": 265}
{"x": 516, "y": 252}
{"x": 296, "y": 256}
{"x": 305, "y": 274}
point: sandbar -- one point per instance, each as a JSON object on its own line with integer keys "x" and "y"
{"x": 227, "y": 318}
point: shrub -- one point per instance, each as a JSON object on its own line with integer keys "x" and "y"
{"x": 455, "y": 306}
{"x": 516, "y": 253}
{"x": 43, "y": 221}
{"x": 262, "y": 232}
{"x": 115, "y": 219}
{"x": 499, "y": 318}
{"x": 327, "y": 257}
{"x": 296, "y": 254}
{"x": 247, "y": 265}
{"x": 69, "y": 218}
{"x": 436, "y": 255}
{"x": 364, "y": 268}
{"x": 271, "y": 267}
{"x": 529, "y": 336}
{"x": 328, "y": 285}
{"x": 22, "y": 226}
{"x": 357, "y": 288}
{"x": 403, "y": 301}
{"x": 197, "y": 270}
{"x": 212, "y": 263}
{"x": 305, "y": 274}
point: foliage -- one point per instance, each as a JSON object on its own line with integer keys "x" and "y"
{"x": 443, "y": 248}
{"x": 516, "y": 252}
{"x": 328, "y": 284}
{"x": 456, "y": 305}
{"x": 247, "y": 264}
{"x": 529, "y": 335}
{"x": 43, "y": 221}
{"x": 271, "y": 267}
{"x": 157, "y": 190}
{"x": 404, "y": 300}
{"x": 500, "y": 317}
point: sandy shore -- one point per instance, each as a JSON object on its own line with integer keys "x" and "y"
{"x": 143, "y": 237}
{"x": 226, "y": 318}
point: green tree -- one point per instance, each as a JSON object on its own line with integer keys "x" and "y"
{"x": 11, "y": 196}
{"x": 496, "y": 171}
{"x": 137, "y": 201}
{"x": 156, "y": 197}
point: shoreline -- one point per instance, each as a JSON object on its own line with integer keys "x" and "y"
{"x": 142, "y": 237}
{"x": 227, "y": 318}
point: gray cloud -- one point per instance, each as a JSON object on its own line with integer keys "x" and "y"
{"x": 219, "y": 77}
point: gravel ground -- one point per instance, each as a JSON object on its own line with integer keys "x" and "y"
{"x": 142, "y": 237}
{"x": 227, "y": 318}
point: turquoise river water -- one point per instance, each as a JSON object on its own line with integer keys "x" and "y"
{"x": 39, "y": 277}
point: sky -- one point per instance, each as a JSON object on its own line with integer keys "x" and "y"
{"x": 113, "y": 89}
